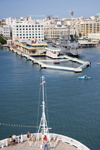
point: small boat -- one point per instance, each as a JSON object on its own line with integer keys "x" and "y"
{"x": 97, "y": 62}
{"x": 85, "y": 77}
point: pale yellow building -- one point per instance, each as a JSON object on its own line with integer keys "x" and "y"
{"x": 86, "y": 27}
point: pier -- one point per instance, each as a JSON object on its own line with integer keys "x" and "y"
{"x": 85, "y": 43}
{"x": 42, "y": 63}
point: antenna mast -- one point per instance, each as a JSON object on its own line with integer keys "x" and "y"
{"x": 43, "y": 128}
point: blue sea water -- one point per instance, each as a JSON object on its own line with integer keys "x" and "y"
{"x": 73, "y": 105}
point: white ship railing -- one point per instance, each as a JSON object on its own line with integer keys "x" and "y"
{"x": 6, "y": 142}
{"x": 50, "y": 136}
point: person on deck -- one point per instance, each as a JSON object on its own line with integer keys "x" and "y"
{"x": 28, "y": 136}
{"x": 10, "y": 139}
{"x": 21, "y": 138}
{"x": 14, "y": 138}
{"x": 45, "y": 143}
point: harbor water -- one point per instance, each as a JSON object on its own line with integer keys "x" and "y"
{"x": 73, "y": 105}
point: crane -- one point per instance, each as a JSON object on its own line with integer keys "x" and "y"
{"x": 56, "y": 17}
{"x": 37, "y": 16}
{"x": 48, "y": 16}
{"x": 71, "y": 13}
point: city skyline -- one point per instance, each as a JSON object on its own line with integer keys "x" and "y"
{"x": 41, "y": 9}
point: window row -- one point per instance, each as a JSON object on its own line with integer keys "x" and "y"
{"x": 31, "y": 37}
{"x": 28, "y": 35}
{"x": 28, "y": 31}
{"x": 29, "y": 28}
{"x": 29, "y": 25}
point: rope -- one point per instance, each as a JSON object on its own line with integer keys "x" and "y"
{"x": 16, "y": 125}
{"x": 46, "y": 106}
{"x": 38, "y": 106}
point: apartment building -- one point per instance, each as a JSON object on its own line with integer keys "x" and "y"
{"x": 1, "y": 29}
{"x": 86, "y": 27}
{"x": 26, "y": 31}
{"x": 51, "y": 32}
{"x": 9, "y": 21}
{"x": 6, "y": 31}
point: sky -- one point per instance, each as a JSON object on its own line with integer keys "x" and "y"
{"x": 42, "y": 8}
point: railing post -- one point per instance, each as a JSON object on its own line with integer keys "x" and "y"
{"x": 2, "y": 144}
{"x": 7, "y": 142}
{"x": 18, "y": 139}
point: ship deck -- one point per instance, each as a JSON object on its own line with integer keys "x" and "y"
{"x": 55, "y": 142}
{"x": 26, "y": 146}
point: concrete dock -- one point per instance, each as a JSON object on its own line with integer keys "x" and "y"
{"x": 42, "y": 63}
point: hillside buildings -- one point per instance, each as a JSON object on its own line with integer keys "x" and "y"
{"x": 5, "y": 30}
{"x": 50, "y": 28}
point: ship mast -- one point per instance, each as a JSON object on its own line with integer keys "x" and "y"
{"x": 43, "y": 128}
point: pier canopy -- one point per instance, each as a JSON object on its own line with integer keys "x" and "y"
{"x": 53, "y": 49}
{"x": 40, "y": 44}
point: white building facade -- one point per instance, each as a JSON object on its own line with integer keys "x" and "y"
{"x": 26, "y": 31}
{"x": 6, "y": 31}
{"x": 55, "y": 32}
{"x": 8, "y": 21}
{"x": 1, "y": 29}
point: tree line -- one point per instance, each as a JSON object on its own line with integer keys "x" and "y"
{"x": 2, "y": 40}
